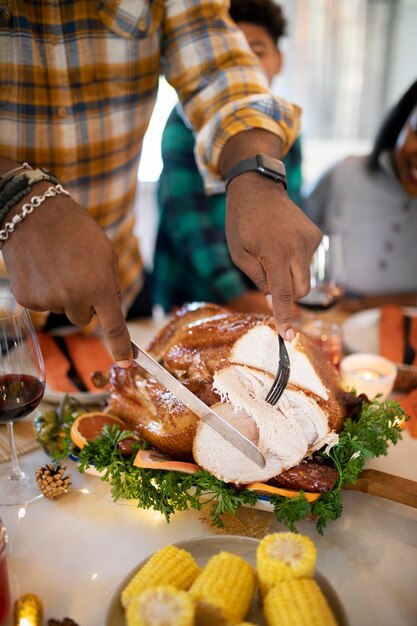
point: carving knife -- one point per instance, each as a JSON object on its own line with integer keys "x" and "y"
{"x": 226, "y": 430}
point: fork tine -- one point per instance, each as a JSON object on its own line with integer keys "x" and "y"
{"x": 277, "y": 390}
{"x": 283, "y": 374}
{"x": 271, "y": 395}
{"x": 279, "y": 382}
{"x": 276, "y": 385}
{"x": 278, "y": 395}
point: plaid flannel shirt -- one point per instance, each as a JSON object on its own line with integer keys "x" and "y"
{"x": 78, "y": 82}
{"x": 191, "y": 260}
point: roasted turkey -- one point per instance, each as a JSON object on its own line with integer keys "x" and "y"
{"x": 230, "y": 360}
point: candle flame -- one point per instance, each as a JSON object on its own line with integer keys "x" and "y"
{"x": 367, "y": 374}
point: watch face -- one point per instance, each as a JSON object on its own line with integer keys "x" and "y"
{"x": 273, "y": 165}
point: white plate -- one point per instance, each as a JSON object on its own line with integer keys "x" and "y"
{"x": 85, "y": 397}
{"x": 202, "y": 549}
{"x": 361, "y": 330}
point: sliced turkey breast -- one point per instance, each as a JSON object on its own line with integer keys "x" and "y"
{"x": 285, "y": 434}
{"x": 258, "y": 347}
{"x": 225, "y": 461}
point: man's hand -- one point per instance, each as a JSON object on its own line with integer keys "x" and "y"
{"x": 272, "y": 241}
{"x": 269, "y": 237}
{"x": 59, "y": 260}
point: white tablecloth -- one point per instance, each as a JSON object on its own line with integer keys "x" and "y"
{"x": 75, "y": 551}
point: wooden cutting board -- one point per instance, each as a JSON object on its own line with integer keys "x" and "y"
{"x": 386, "y": 486}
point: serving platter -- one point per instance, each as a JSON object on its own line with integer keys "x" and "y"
{"x": 202, "y": 549}
{"x": 91, "y": 470}
{"x": 263, "y": 503}
{"x": 88, "y": 398}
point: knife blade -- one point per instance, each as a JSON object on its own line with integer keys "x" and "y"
{"x": 215, "y": 421}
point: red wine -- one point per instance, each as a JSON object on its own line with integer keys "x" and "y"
{"x": 321, "y": 298}
{"x": 19, "y": 395}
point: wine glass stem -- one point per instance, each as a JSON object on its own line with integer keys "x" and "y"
{"x": 15, "y": 473}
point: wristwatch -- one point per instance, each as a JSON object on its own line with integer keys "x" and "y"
{"x": 262, "y": 164}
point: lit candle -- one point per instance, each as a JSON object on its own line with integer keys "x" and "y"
{"x": 367, "y": 374}
{"x": 371, "y": 374}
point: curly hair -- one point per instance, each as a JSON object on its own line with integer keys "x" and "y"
{"x": 265, "y": 13}
{"x": 392, "y": 125}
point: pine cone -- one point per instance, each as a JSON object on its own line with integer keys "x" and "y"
{"x": 51, "y": 480}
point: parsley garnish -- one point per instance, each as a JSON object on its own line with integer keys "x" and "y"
{"x": 364, "y": 436}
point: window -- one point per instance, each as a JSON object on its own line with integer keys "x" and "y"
{"x": 151, "y": 163}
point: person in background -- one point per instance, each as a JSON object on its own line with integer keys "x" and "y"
{"x": 78, "y": 83}
{"x": 191, "y": 260}
{"x": 372, "y": 202}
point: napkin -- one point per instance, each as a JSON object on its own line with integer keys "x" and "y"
{"x": 392, "y": 346}
{"x": 398, "y": 342}
{"x": 57, "y": 365}
{"x": 71, "y": 360}
{"x": 392, "y": 339}
{"x": 88, "y": 355}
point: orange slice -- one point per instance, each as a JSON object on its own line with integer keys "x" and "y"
{"x": 268, "y": 490}
{"x": 151, "y": 459}
{"x": 88, "y": 426}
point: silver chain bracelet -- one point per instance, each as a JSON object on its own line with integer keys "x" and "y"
{"x": 27, "y": 209}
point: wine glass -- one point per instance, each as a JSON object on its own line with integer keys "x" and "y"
{"x": 327, "y": 288}
{"x": 326, "y": 275}
{"x": 22, "y": 383}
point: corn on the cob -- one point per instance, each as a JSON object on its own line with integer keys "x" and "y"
{"x": 297, "y": 602}
{"x": 283, "y": 556}
{"x": 224, "y": 589}
{"x": 169, "y": 566}
{"x": 161, "y": 606}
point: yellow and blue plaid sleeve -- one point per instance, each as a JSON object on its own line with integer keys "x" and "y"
{"x": 219, "y": 81}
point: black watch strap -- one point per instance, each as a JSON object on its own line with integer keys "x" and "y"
{"x": 262, "y": 164}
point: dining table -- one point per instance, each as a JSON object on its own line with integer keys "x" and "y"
{"x": 75, "y": 551}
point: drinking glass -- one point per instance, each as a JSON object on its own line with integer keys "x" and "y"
{"x": 22, "y": 383}
{"x": 326, "y": 275}
{"x": 327, "y": 336}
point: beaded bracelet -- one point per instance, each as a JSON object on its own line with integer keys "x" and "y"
{"x": 14, "y": 189}
{"x": 12, "y": 172}
{"x": 27, "y": 209}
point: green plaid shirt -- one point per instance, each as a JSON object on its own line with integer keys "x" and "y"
{"x": 192, "y": 260}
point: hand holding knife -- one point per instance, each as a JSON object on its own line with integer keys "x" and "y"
{"x": 220, "y": 425}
